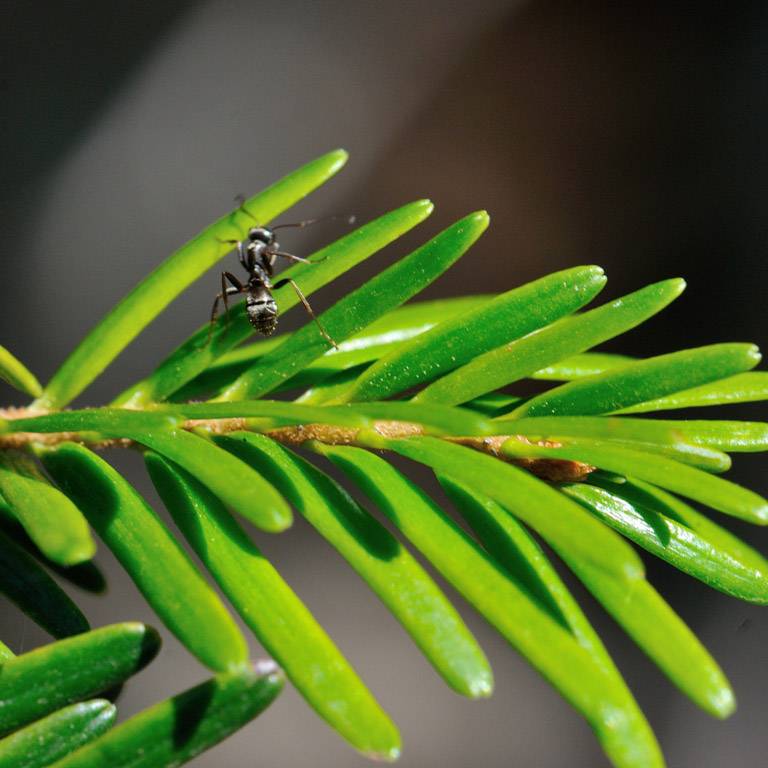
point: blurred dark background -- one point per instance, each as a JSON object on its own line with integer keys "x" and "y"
{"x": 628, "y": 135}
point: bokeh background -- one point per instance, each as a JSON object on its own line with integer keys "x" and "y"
{"x": 629, "y": 135}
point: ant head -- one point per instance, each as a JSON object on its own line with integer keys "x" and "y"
{"x": 261, "y": 235}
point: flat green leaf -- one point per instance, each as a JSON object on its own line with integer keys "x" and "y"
{"x": 455, "y": 342}
{"x": 437, "y": 418}
{"x": 525, "y": 356}
{"x": 336, "y": 369}
{"x": 578, "y": 366}
{"x": 150, "y": 297}
{"x": 409, "y": 320}
{"x": 5, "y": 653}
{"x": 52, "y": 521}
{"x": 518, "y": 552}
{"x": 661, "y": 634}
{"x": 508, "y": 607}
{"x": 732, "y": 436}
{"x": 396, "y": 327}
{"x": 520, "y": 555}
{"x": 278, "y": 618}
{"x": 638, "y": 608}
{"x": 326, "y": 390}
{"x": 55, "y": 736}
{"x": 15, "y": 373}
{"x": 380, "y": 560}
{"x": 669, "y": 438}
{"x": 602, "y": 427}
{"x": 27, "y": 585}
{"x": 493, "y": 403}
{"x": 87, "y": 576}
{"x": 694, "y": 455}
{"x": 742, "y": 388}
{"x": 214, "y": 380}
{"x": 715, "y": 492}
{"x": 281, "y": 412}
{"x": 641, "y": 381}
{"x": 672, "y": 530}
{"x": 233, "y": 481}
{"x": 358, "y": 309}
{"x": 714, "y": 435}
{"x": 654, "y": 626}
{"x": 204, "y": 346}
{"x": 510, "y": 544}
{"x": 40, "y": 682}
{"x": 107, "y": 422}
{"x": 456, "y": 421}
{"x": 537, "y": 504}
{"x": 176, "y": 730}
{"x": 158, "y": 566}
{"x": 228, "y": 478}
{"x": 392, "y": 331}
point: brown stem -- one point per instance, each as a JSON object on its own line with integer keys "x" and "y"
{"x": 554, "y": 470}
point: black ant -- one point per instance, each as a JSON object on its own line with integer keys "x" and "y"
{"x": 257, "y": 257}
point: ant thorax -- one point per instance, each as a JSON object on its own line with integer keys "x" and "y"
{"x": 257, "y": 252}
{"x": 259, "y": 277}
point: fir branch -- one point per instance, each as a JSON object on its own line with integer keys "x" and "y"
{"x": 560, "y": 466}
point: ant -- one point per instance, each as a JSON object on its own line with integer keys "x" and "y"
{"x": 257, "y": 256}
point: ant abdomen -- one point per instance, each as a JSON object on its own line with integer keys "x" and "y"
{"x": 262, "y": 311}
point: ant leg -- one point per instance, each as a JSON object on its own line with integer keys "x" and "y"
{"x": 246, "y": 259}
{"x": 241, "y": 253}
{"x": 290, "y": 256}
{"x": 234, "y": 289}
{"x": 310, "y": 311}
{"x": 215, "y": 309}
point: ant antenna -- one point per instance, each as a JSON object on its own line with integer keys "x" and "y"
{"x": 240, "y": 200}
{"x": 307, "y": 222}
